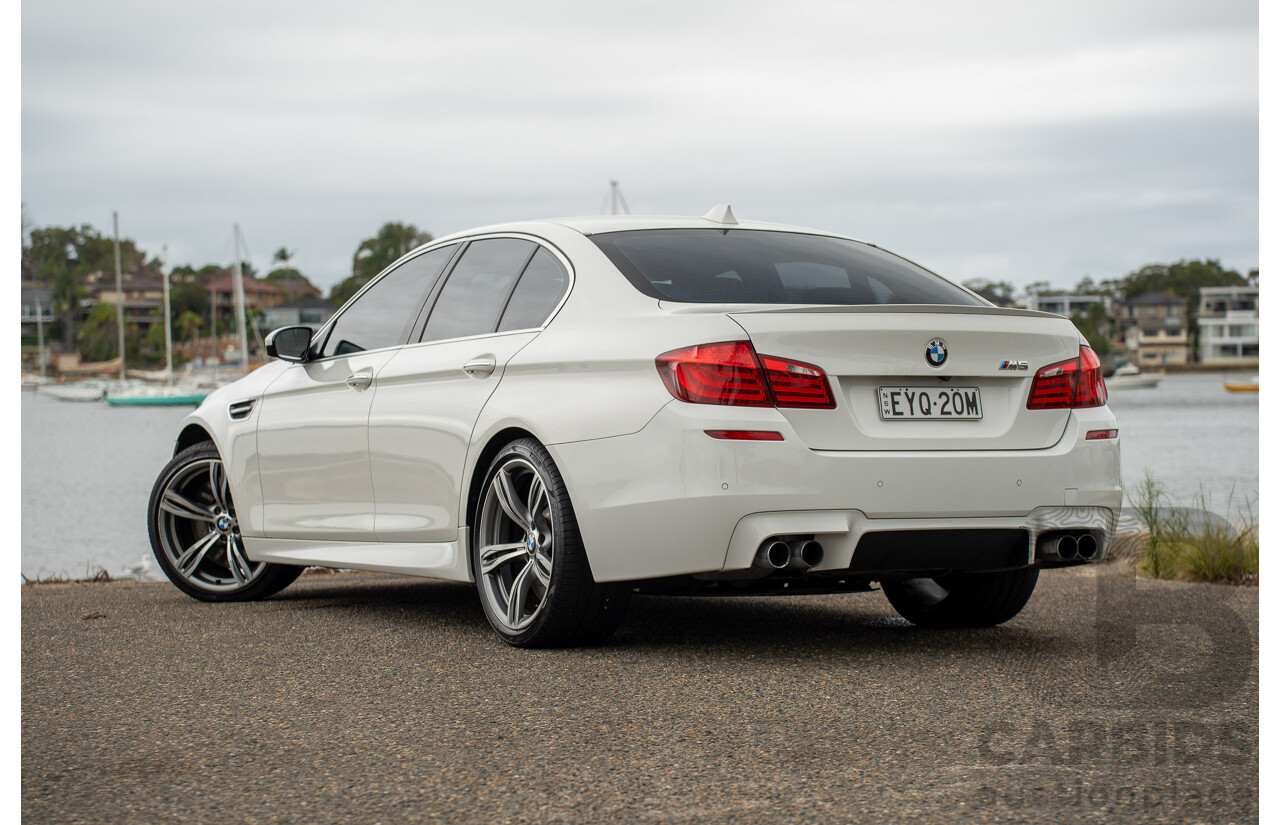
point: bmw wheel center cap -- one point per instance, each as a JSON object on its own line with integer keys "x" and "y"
{"x": 936, "y": 352}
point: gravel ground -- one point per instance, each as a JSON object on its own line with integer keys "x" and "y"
{"x": 375, "y": 699}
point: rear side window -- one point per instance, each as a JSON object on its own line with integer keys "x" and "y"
{"x": 473, "y": 297}
{"x": 540, "y": 289}
{"x": 384, "y": 313}
{"x": 744, "y": 266}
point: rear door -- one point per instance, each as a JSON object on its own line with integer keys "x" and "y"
{"x": 429, "y": 396}
{"x": 313, "y": 438}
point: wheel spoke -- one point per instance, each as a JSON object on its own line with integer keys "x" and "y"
{"x": 542, "y": 566}
{"x": 510, "y": 502}
{"x": 193, "y": 555}
{"x": 218, "y": 485}
{"x": 519, "y": 592}
{"x": 496, "y": 555}
{"x": 183, "y": 507}
{"x": 537, "y": 498}
{"x": 237, "y": 561}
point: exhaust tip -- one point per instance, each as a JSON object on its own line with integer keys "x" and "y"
{"x": 1087, "y": 547}
{"x": 776, "y": 554}
{"x": 1068, "y": 548}
{"x": 809, "y": 553}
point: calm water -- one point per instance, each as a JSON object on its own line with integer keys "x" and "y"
{"x": 87, "y": 469}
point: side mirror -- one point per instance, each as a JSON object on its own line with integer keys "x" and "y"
{"x": 289, "y": 343}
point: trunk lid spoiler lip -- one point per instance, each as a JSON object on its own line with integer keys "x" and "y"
{"x": 764, "y": 309}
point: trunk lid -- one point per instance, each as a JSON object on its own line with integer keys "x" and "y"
{"x": 865, "y": 348}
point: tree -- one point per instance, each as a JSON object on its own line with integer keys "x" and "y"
{"x": 98, "y": 340}
{"x": 187, "y": 326}
{"x": 376, "y": 254}
{"x": 1096, "y": 326}
{"x": 1003, "y": 290}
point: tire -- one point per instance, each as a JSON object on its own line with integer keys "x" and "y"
{"x": 962, "y": 599}
{"x": 532, "y": 572}
{"x": 191, "y": 521}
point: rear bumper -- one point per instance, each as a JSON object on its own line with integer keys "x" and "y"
{"x": 670, "y": 500}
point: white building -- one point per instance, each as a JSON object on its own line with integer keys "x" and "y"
{"x": 1228, "y": 322}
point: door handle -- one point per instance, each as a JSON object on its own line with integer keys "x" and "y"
{"x": 360, "y": 381}
{"x": 481, "y": 367}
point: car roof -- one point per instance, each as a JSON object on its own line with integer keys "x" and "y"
{"x": 600, "y": 224}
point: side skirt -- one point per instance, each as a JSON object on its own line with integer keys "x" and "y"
{"x": 437, "y": 560}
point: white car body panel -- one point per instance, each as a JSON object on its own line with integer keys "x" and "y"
{"x": 379, "y": 479}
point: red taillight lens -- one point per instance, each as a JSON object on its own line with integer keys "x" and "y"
{"x": 1069, "y": 384}
{"x": 732, "y": 374}
{"x": 715, "y": 374}
{"x": 796, "y": 384}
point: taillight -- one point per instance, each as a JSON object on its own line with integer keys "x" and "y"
{"x": 733, "y": 375}
{"x": 715, "y": 374}
{"x": 1069, "y": 384}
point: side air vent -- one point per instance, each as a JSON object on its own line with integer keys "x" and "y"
{"x": 240, "y": 410}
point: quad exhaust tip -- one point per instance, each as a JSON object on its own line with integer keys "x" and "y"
{"x": 800, "y": 554}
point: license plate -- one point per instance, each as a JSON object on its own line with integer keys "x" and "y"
{"x": 930, "y": 403}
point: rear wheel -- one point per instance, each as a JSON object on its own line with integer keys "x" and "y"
{"x": 530, "y": 565}
{"x": 195, "y": 536}
{"x": 962, "y": 599}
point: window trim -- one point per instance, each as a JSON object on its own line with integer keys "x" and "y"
{"x": 321, "y": 338}
{"x": 538, "y": 243}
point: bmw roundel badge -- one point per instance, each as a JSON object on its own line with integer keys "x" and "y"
{"x": 936, "y": 352}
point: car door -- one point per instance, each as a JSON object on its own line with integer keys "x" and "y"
{"x": 313, "y": 439}
{"x": 430, "y": 394}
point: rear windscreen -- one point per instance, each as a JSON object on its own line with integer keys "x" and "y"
{"x": 745, "y": 266}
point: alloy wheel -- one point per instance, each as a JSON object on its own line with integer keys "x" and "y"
{"x": 198, "y": 530}
{"x": 517, "y": 544}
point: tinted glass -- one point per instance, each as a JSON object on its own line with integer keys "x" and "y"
{"x": 540, "y": 288}
{"x": 477, "y": 288}
{"x": 755, "y": 267}
{"x": 381, "y": 317}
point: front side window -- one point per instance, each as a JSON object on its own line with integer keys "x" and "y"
{"x": 760, "y": 267}
{"x": 473, "y": 297}
{"x": 382, "y": 316}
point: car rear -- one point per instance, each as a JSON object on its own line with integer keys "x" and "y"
{"x": 869, "y": 407}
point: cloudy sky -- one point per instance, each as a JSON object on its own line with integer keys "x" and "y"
{"x": 1010, "y": 141}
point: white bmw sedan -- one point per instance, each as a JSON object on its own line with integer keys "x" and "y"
{"x": 567, "y": 411}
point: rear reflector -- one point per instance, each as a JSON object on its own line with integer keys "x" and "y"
{"x": 745, "y": 435}
{"x": 1095, "y": 435}
{"x": 732, "y": 374}
{"x": 1069, "y": 384}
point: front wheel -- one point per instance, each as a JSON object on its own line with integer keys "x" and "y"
{"x": 530, "y": 566}
{"x": 194, "y": 534}
{"x": 962, "y": 599}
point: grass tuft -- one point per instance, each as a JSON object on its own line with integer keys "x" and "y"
{"x": 1174, "y": 548}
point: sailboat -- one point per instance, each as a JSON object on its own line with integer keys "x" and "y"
{"x": 189, "y": 394}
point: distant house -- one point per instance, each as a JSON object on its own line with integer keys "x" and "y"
{"x": 1155, "y": 329}
{"x": 258, "y": 296}
{"x": 1067, "y": 305}
{"x": 142, "y": 297}
{"x": 34, "y": 298}
{"x": 1228, "y": 321}
{"x": 307, "y": 312}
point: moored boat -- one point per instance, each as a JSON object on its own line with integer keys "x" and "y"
{"x": 1128, "y": 376}
{"x": 1241, "y": 386}
{"x": 158, "y": 396}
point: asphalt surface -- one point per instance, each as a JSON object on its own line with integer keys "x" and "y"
{"x": 376, "y": 699}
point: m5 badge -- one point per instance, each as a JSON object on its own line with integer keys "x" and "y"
{"x": 1013, "y": 365}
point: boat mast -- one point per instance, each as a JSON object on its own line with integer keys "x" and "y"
{"x": 168, "y": 326}
{"x": 40, "y": 333}
{"x": 115, "y": 220}
{"x": 240, "y": 314}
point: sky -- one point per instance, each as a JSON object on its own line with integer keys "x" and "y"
{"x": 999, "y": 141}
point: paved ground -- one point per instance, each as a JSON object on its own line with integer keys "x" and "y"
{"x": 361, "y": 698}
